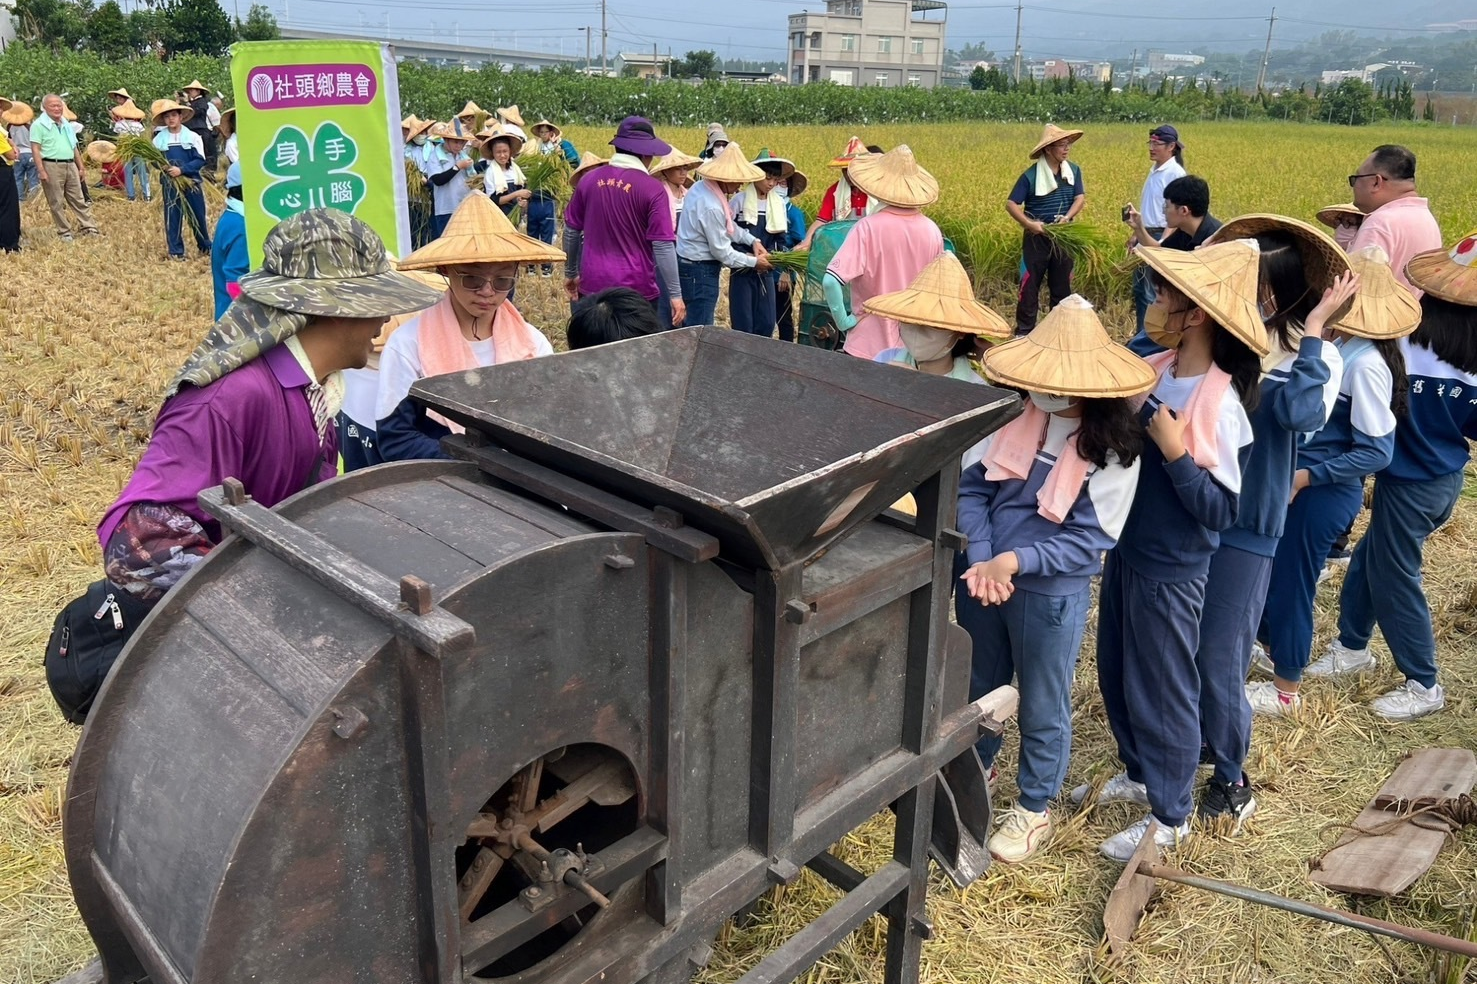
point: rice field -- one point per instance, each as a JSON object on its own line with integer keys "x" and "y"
{"x": 93, "y": 330}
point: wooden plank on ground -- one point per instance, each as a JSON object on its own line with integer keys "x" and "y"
{"x": 1388, "y": 863}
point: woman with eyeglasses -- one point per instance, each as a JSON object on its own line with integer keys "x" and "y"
{"x": 475, "y": 324}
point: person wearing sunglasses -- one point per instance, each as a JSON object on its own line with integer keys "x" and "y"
{"x": 1397, "y": 219}
{"x": 475, "y": 325}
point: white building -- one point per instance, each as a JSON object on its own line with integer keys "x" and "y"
{"x": 870, "y": 43}
{"x": 7, "y": 23}
{"x": 1165, "y": 63}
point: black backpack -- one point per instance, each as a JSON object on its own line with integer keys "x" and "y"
{"x": 86, "y": 639}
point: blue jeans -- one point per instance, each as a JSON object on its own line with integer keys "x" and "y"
{"x": 1036, "y": 638}
{"x": 174, "y": 212}
{"x": 1143, "y": 293}
{"x": 699, "y": 289}
{"x": 541, "y": 225}
{"x": 1383, "y": 584}
{"x": 26, "y": 178}
{"x": 136, "y": 174}
{"x": 1235, "y": 590}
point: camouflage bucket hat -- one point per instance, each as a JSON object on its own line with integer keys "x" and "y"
{"x": 326, "y": 262}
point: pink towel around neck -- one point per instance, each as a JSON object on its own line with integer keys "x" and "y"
{"x": 443, "y": 347}
{"x": 1204, "y": 409}
{"x": 1013, "y": 451}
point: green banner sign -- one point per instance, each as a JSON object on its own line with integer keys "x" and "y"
{"x": 318, "y": 126}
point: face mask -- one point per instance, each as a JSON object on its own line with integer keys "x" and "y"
{"x": 1156, "y": 326}
{"x": 927, "y": 344}
{"x": 419, "y": 141}
{"x": 784, "y": 191}
{"x": 1047, "y": 403}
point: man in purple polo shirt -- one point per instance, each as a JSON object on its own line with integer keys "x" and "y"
{"x": 257, "y": 398}
{"x": 618, "y": 224}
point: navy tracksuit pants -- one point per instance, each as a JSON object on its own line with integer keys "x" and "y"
{"x": 1235, "y": 589}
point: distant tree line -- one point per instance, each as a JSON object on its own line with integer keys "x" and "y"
{"x": 161, "y": 29}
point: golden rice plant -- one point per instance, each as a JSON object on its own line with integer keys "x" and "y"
{"x": 547, "y": 173}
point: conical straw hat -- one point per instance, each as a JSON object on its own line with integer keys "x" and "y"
{"x": 588, "y": 163}
{"x": 67, "y": 114}
{"x": 730, "y": 167}
{"x": 510, "y": 114}
{"x": 894, "y": 178}
{"x": 558, "y": 133}
{"x": 487, "y": 136}
{"x": 675, "y": 159}
{"x": 432, "y": 280}
{"x": 410, "y": 122}
{"x": 470, "y": 109}
{"x": 941, "y": 297}
{"x": 420, "y": 127}
{"x": 445, "y": 131}
{"x": 1330, "y": 215}
{"x": 5, "y": 105}
{"x": 120, "y": 92}
{"x": 1219, "y": 279}
{"x": 1382, "y": 308}
{"x": 1070, "y": 354}
{"x": 128, "y": 111}
{"x": 18, "y": 114}
{"x": 196, "y": 85}
{"x": 102, "y": 152}
{"x": 787, "y": 166}
{"x": 1050, "y": 134}
{"x": 798, "y": 182}
{"x": 480, "y": 233}
{"x": 1450, "y": 276}
{"x": 1324, "y": 260}
{"x": 854, "y": 148}
{"x": 161, "y": 106}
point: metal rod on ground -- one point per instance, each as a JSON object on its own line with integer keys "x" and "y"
{"x": 1368, "y": 924}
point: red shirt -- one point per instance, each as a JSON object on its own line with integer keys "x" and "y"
{"x": 828, "y": 204}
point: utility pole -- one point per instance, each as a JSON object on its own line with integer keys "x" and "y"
{"x": 1261, "y": 76}
{"x": 604, "y": 36}
{"x": 656, "y": 66}
{"x": 1019, "y": 4}
{"x": 1133, "y": 70}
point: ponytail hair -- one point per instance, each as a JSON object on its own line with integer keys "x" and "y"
{"x": 1244, "y": 366}
{"x": 1109, "y": 424}
{"x": 1389, "y": 350}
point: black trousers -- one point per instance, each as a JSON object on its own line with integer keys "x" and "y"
{"x": 10, "y": 212}
{"x": 1041, "y": 260}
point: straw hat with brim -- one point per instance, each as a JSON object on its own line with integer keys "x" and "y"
{"x": 787, "y": 166}
{"x": 1050, "y": 134}
{"x": 1332, "y": 215}
{"x": 332, "y": 264}
{"x": 67, "y": 114}
{"x": 102, "y": 152}
{"x": 1382, "y": 308}
{"x": 120, "y": 92}
{"x": 470, "y": 109}
{"x": 1070, "y": 354}
{"x": 162, "y": 106}
{"x": 1451, "y": 276}
{"x": 491, "y": 134}
{"x": 443, "y": 131}
{"x": 197, "y": 85}
{"x": 421, "y": 126}
{"x": 426, "y": 278}
{"x": 18, "y": 114}
{"x": 558, "y": 133}
{"x": 854, "y": 148}
{"x": 588, "y": 163}
{"x": 1324, "y": 260}
{"x": 1219, "y": 279}
{"x": 410, "y": 122}
{"x": 127, "y": 111}
{"x": 730, "y": 167}
{"x": 894, "y": 178}
{"x": 479, "y": 232}
{"x": 5, "y": 105}
{"x": 228, "y": 114}
{"x": 510, "y": 114}
{"x": 798, "y": 182}
{"x": 675, "y": 159}
{"x": 941, "y": 297}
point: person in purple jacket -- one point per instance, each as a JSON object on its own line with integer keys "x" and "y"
{"x": 257, "y": 398}
{"x": 1051, "y": 494}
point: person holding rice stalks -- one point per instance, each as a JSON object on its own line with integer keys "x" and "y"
{"x": 229, "y": 261}
{"x": 843, "y": 200}
{"x": 503, "y": 179}
{"x": 1344, "y": 219}
{"x": 1302, "y": 279}
{"x": 474, "y": 324}
{"x": 418, "y": 191}
{"x": 1051, "y": 491}
{"x": 185, "y": 159}
{"x": 256, "y": 399}
{"x": 1327, "y": 490}
{"x": 446, "y": 169}
{"x": 710, "y": 239}
{"x": 1416, "y": 492}
{"x": 793, "y": 187}
{"x": 128, "y": 122}
{"x": 59, "y": 165}
{"x": 1189, "y": 485}
{"x": 543, "y": 207}
{"x": 1050, "y": 191}
{"x": 884, "y": 251}
{"x": 759, "y": 209}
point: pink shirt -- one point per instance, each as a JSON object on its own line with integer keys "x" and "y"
{"x": 1402, "y": 228}
{"x": 883, "y": 252}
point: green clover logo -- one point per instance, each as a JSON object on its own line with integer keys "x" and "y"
{"x": 311, "y": 173}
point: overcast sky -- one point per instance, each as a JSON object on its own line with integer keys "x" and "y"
{"x": 757, "y": 28}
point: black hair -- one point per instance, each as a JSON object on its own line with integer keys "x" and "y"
{"x": 1230, "y": 354}
{"x": 1389, "y": 350}
{"x": 1449, "y": 331}
{"x": 1394, "y": 162}
{"x": 772, "y": 168}
{"x": 611, "y": 316}
{"x": 1109, "y": 424}
{"x": 1283, "y": 273}
{"x": 874, "y": 149}
{"x": 234, "y": 192}
{"x": 964, "y": 347}
{"x": 1190, "y": 191}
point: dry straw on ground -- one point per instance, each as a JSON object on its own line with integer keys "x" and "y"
{"x": 93, "y": 330}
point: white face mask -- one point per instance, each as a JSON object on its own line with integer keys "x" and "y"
{"x": 419, "y": 141}
{"x": 927, "y": 344}
{"x": 1047, "y": 403}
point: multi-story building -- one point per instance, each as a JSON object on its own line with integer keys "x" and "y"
{"x": 1166, "y": 63}
{"x": 870, "y": 43}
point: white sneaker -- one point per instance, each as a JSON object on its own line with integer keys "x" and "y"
{"x": 1409, "y": 701}
{"x": 1339, "y": 660}
{"x": 1261, "y": 664}
{"x": 1326, "y": 573}
{"x": 1119, "y": 789}
{"x": 1021, "y": 834}
{"x": 1267, "y": 700}
{"x": 1120, "y": 846}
